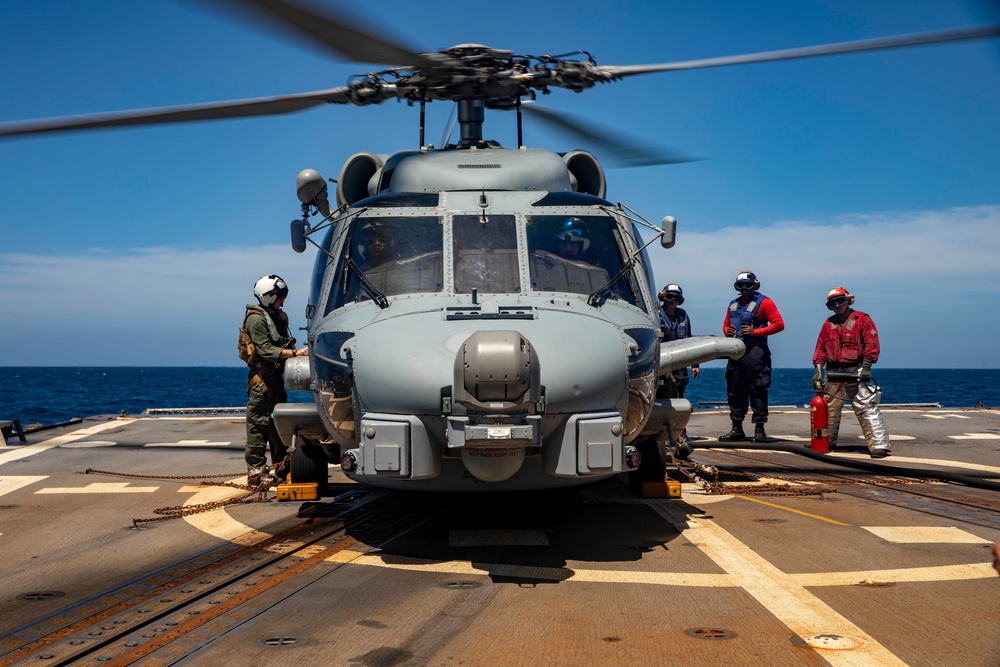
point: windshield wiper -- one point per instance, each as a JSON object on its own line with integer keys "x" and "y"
{"x": 373, "y": 292}
{"x": 604, "y": 291}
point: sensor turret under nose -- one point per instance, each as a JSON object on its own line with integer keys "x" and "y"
{"x": 496, "y": 371}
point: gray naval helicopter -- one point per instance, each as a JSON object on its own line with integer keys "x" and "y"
{"x": 480, "y": 318}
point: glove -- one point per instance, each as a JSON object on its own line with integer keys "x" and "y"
{"x": 818, "y": 378}
{"x": 866, "y": 370}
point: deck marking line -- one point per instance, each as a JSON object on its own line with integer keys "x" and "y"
{"x": 464, "y": 567}
{"x": 38, "y": 447}
{"x": 100, "y": 487}
{"x": 793, "y": 605}
{"x": 220, "y": 524}
{"x": 795, "y": 511}
{"x": 661, "y": 578}
{"x": 188, "y": 443}
{"x": 934, "y": 462}
{"x": 496, "y": 538}
{"x": 925, "y": 535}
{"x": 945, "y": 415}
{"x": 934, "y": 573}
{"x": 975, "y": 436}
{"x": 9, "y": 483}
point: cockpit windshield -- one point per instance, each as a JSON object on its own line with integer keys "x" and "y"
{"x": 393, "y": 255}
{"x": 388, "y": 255}
{"x": 577, "y": 254}
{"x": 486, "y": 254}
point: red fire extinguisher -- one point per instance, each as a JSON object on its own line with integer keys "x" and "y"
{"x": 819, "y": 418}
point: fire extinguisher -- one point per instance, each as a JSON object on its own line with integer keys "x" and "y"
{"x": 819, "y": 418}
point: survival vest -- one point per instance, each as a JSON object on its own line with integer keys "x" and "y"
{"x": 677, "y": 329}
{"x": 248, "y": 351}
{"x": 740, "y": 315}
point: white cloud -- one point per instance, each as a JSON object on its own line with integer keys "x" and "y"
{"x": 928, "y": 278}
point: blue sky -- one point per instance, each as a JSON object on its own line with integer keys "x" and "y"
{"x": 878, "y": 171}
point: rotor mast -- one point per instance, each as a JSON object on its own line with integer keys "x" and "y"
{"x": 471, "y": 116}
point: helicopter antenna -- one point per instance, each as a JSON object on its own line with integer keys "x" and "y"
{"x": 449, "y": 127}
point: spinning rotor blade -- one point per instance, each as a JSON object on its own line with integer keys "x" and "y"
{"x": 977, "y": 32}
{"x": 339, "y": 37}
{"x": 621, "y": 149}
{"x": 263, "y": 106}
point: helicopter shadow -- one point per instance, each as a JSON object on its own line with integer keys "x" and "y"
{"x": 530, "y": 538}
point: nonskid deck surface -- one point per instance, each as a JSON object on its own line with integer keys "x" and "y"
{"x": 872, "y": 573}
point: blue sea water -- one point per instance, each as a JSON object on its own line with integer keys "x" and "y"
{"x": 50, "y": 395}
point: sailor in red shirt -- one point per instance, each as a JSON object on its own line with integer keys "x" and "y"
{"x": 848, "y": 346}
{"x": 751, "y": 317}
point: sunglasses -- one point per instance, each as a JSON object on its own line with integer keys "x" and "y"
{"x": 836, "y": 301}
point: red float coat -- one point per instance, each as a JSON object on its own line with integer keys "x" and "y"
{"x": 847, "y": 344}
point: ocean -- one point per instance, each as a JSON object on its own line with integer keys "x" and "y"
{"x": 51, "y": 395}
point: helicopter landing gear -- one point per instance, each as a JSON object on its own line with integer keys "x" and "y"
{"x": 653, "y": 465}
{"x": 309, "y": 464}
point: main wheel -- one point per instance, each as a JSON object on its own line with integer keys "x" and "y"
{"x": 309, "y": 464}
{"x": 653, "y": 466}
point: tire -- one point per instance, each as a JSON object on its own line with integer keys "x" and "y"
{"x": 653, "y": 466}
{"x": 309, "y": 464}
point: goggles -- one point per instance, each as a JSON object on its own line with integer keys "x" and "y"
{"x": 670, "y": 297}
{"x": 836, "y": 301}
{"x": 744, "y": 285}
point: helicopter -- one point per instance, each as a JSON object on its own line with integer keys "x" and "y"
{"x": 532, "y": 350}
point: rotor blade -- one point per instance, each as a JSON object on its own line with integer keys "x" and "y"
{"x": 977, "y": 32}
{"x": 622, "y": 150}
{"x": 337, "y": 36}
{"x": 263, "y": 106}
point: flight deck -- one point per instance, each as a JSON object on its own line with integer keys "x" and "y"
{"x": 130, "y": 541}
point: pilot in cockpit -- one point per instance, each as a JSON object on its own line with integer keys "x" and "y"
{"x": 374, "y": 247}
{"x": 573, "y": 239}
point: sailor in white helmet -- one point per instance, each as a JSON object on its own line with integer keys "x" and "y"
{"x": 264, "y": 345}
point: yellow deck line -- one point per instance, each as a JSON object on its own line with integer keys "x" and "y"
{"x": 789, "y": 509}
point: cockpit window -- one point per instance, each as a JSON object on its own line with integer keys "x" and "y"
{"x": 396, "y": 255}
{"x": 577, "y": 254}
{"x": 486, "y": 254}
{"x": 319, "y": 270}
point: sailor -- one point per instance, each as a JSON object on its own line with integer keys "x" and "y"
{"x": 848, "y": 346}
{"x": 375, "y": 246}
{"x": 675, "y": 325}
{"x": 264, "y": 345}
{"x": 572, "y": 239}
{"x": 751, "y": 317}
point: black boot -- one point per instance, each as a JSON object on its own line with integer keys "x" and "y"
{"x": 681, "y": 448}
{"x": 758, "y": 433}
{"x": 735, "y": 435}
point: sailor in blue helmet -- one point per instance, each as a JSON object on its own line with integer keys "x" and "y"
{"x": 751, "y": 317}
{"x": 573, "y": 239}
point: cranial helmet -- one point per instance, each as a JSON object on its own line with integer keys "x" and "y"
{"x": 574, "y": 230}
{"x": 674, "y": 289}
{"x": 746, "y": 276}
{"x": 269, "y": 289}
{"x": 839, "y": 292}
